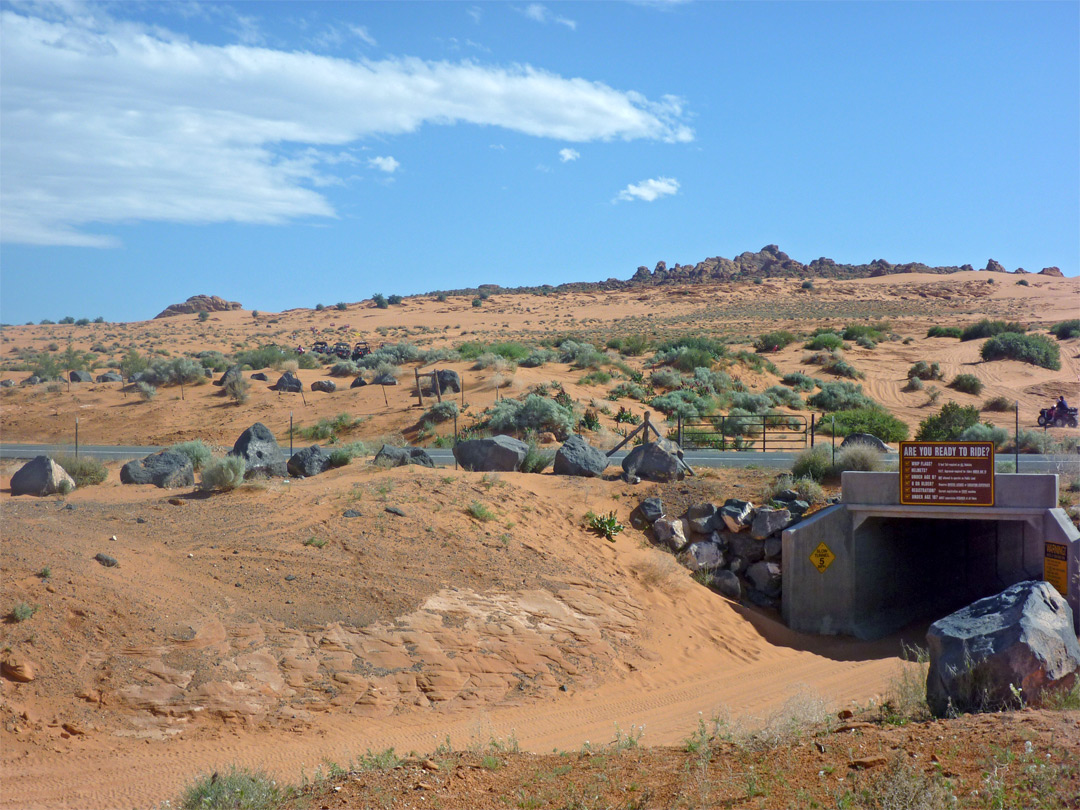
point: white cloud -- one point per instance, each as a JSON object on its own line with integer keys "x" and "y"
{"x": 566, "y": 155}
{"x": 475, "y": 13}
{"x": 649, "y": 190}
{"x": 384, "y": 164}
{"x": 541, "y": 14}
{"x": 361, "y": 32}
{"x": 106, "y": 121}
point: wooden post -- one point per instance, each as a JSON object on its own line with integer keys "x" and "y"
{"x": 455, "y": 439}
{"x": 419, "y": 393}
{"x": 680, "y": 430}
{"x": 290, "y": 435}
{"x": 435, "y": 384}
{"x": 647, "y": 425}
{"x": 764, "y": 430}
{"x": 76, "y": 437}
{"x": 384, "y": 399}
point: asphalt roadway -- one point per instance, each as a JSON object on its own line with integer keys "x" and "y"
{"x": 1061, "y": 464}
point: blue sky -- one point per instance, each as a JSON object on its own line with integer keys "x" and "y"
{"x": 286, "y": 154}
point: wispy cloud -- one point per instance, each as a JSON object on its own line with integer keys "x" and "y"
{"x": 649, "y": 190}
{"x": 567, "y": 155}
{"x": 542, "y": 14}
{"x": 384, "y": 164}
{"x": 107, "y": 121}
{"x": 475, "y": 12}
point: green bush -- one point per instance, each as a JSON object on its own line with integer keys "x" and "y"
{"x": 925, "y": 371}
{"x": 510, "y": 350}
{"x": 988, "y": 328}
{"x": 813, "y": 463}
{"x": 581, "y": 355}
{"x": 840, "y": 396}
{"x": 1035, "y": 349}
{"x": 913, "y": 384}
{"x": 842, "y": 368}
{"x": 536, "y": 460}
{"x": 85, "y": 471}
{"x": 380, "y": 301}
{"x": 875, "y": 332}
{"x": 706, "y": 380}
{"x": 629, "y": 391}
{"x": 534, "y": 413}
{"x": 858, "y": 458}
{"x": 224, "y": 474}
{"x": 595, "y": 377}
{"x": 683, "y": 402}
{"x": 666, "y": 378}
{"x": 752, "y": 403}
{"x": 308, "y": 361}
{"x": 23, "y": 611}
{"x": 968, "y": 383}
{"x": 196, "y": 450}
{"x": 237, "y": 789}
{"x": 998, "y": 404}
{"x": 441, "y": 411}
{"x": 800, "y": 381}
{"x": 773, "y": 341}
{"x": 944, "y": 331}
{"x": 344, "y": 368}
{"x": 395, "y": 354}
{"x": 237, "y": 389}
{"x": 339, "y": 457}
{"x": 875, "y": 421}
{"x": 808, "y": 489}
{"x": 395, "y": 300}
{"x": 539, "y": 357}
{"x": 146, "y": 390}
{"x": 1066, "y": 329}
{"x": 632, "y": 345}
{"x": 713, "y": 347}
{"x": 947, "y": 424}
{"x": 865, "y": 342}
{"x": 981, "y": 432}
{"x": 825, "y": 340}
{"x": 784, "y": 396}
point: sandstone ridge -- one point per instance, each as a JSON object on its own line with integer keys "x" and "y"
{"x": 199, "y": 303}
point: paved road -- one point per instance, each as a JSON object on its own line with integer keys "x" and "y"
{"x": 1062, "y": 464}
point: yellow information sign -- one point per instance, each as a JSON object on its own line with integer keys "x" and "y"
{"x": 1056, "y": 566}
{"x": 822, "y": 557}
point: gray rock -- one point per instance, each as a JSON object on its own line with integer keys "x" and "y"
{"x": 726, "y": 584}
{"x": 288, "y": 382}
{"x": 80, "y": 376}
{"x": 652, "y": 462}
{"x": 231, "y": 373}
{"x": 652, "y": 509}
{"x": 449, "y": 380}
{"x": 497, "y": 454}
{"x": 722, "y": 539}
{"x": 260, "y": 376}
{"x": 106, "y": 560}
{"x": 40, "y": 476}
{"x": 738, "y": 565}
{"x": 756, "y": 597}
{"x": 33, "y": 379}
{"x": 767, "y": 521}
{"x": 390, "y": 456}
{"x": 11, "y": 383}
{"x": 326, "y": 386}
{"x": 578, "y": 457}
{"x": 702, "y": 556}
{"x": 797, "y": 507}
{"x": 396, "y": 510}
{"x": 308, "y": 462}
{"x": 747, "y": 546}
{"x": 669, "y": 446}
{"x": 1021, "y": 638}
{"x": 786, "y": 495}
{"x": 671, "y": 533}
{"x": 701, "y": 517}
{"x": 867, "y": 439}
{"x": 167, "y": 469}
{"x": 765, "y": 576}
{"x": 386, "y": 378}
{"x": 351, "y": 513}
{"x": 359, "y": 382}
{"x": 737, "y": 515}
{"x": 261, "y": 453}
{"x": 109, "y": 376}
{"x": 774, "y": 547}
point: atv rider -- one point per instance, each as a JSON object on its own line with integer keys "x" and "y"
{"x": 1061, "y": 407}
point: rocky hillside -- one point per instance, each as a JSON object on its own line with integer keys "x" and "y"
{"x": 199, "y": 303}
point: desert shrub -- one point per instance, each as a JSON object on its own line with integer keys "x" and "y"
{"x": 998, "y": 404}
{"x": 395, "y": 354}
{"x": 684, "y": 358}
{"x": 683, "y": 402}
{"x": 268, "y": 356}
{"x": 1032, "y": 441}
{"x": 478, "y": 302}
{"x": 223, "y": 474}
{"x": 22, "y": 611}
{"x": 666, "y": 378}
{"x": 307, "y": 361}
{"x": 925, "y": 371}
{"x": 344, "y": 368}
{"x": 580, "y": 355}
{"x": 534, "y": 413}
{"x": 713, "y": 382}
{"x": 947, "y": 424}
{"x": 394, "y": 300}
{"x": 196, "y": 450}
{"x": 813, "y": 463}
{"x": 539, "y": 357}
{"x": 713, "y": 347}
{"x": 875, "y": 421}
{"x": 439, "y": 355}
{"x": 339, "y": 457}
{"x": 752, "y": 403}
{"x": 629, "y": 391}
{"x": 632, "y": 345}
{"x": 1023, "y": 283}
{"x": 779, "y": 395}
{"x": 773, "y": 341}
{"x": 441, "y": 411}
{"x": 595, "y": 377}
{"x": 384, "y": 374}
{"x": 808, "y": 489}
{"x": 756, "y": 362}
{"x": 981, "y": 432}
{"x": 146, "y": 390}
{"x": 237, "y": 789}
{"x": 808, "y": 284}
{"x": 84, "y": 470}
{"x": 237, "y": 389}
{"x": 865, "y": 342}
{"x": 913, "y": 384}
{"x": 1066, "y": 329}
{"x": 944, "y": 331}
{"x": 380, "y": 301}
{"x": 45, "y": 366}
{"x": 510, "y": 350}
{"x": 842, "y": 368}
{"x": 536, "y": 460}
{"x": 215, "y": 361}
{"x": 860, "y": 458}
{"x": 800, "y": 381}
{"x": 988, "y": 328}
{"x": 968, "y": 383}
{"x": 328, "y": 428}
{"x": 1035, "y": 349}
{"x": 823, "y": 357}
{"x": 480, "y": 512}
{"x": 875, "y": 332}
{"x": 493, "y": 361}
{"x": 840, "y": 396}
{"x": 824, "y": 340}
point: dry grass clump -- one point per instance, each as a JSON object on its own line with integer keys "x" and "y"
{"x": 659, "y": 571}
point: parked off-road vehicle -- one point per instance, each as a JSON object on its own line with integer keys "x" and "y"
{"x": 361, "y": 349}
{"x": 320, "y": 347}
{"x": 342, "y": 350}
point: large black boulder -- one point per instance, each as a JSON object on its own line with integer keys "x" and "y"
{"x": 231, "y": 373}
{"x": 260, "y": 451}
{"x": 40, "y": 476}
{"x": 449, "y": 380}
{"x": 652, "y": 462}
{"x": 865, "y": 439}
{"x": 80, "y": 376}
{"x": 308, "y": 462}
{"x": 326, "y": 386}
{"x": 497, "y": 454}
{"x": 167, "y": 469}
{"x": 289, "y": 382}
{"x": 359, "y": 382}
{"x": 1013, "y": 645}
{"x": 578, "y": 457}
{"x": 390, "y": 456}
{"x": 109, "y": 376}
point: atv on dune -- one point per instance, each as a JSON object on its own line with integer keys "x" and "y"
{"x": 361, "y": 349}
{"x": 1054, "y": 416}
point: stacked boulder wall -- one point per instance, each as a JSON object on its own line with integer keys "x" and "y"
{"x": 167, "y": 469}
{"x": 260, "y": 451}
{"x": 1016, "y": 644}
{"x": 651, "y": 462}
{"x": 390, "y": 456}
{"x": 40, "y": 476}
{"x": 578, "y": 457}
{"x": 497, "y": 454}
{"x": 308, "y": 462}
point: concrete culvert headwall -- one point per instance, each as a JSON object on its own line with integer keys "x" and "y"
{"x": 869, "y": 565}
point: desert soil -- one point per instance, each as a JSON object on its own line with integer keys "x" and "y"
{"x": 264, "y": 628}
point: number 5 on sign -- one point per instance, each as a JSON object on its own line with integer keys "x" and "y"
{"x": 822, "y": 557}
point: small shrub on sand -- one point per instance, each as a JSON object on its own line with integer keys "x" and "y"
{"x": 925, "y": 371}
{"x": 1066, "y": 329}
{"x": 944, "y": 331}
{"x": 858, "y": 457}
{"x": 84, "y": 470}
{"x": 825, "y": 340}
{"x": 947, "y": 425}
{"x": 998, "y": 404}
{"x": 197, "y": 451}
{"x": 238, "y": 789}
{"x": 537, "y": 460}
{"x": 1035, "y": 349}
{"x": 237, "y": 389}
{"x": 223, "y": 474}
{"x": 968, "y": 383}
{"x": 146, "y": 390}
{"x": 813, "y": 463}
{"x": 480, "y": 512}
{"x": 22, "y": 611}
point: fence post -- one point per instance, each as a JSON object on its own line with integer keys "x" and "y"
{"x": 834, "y": 441}
{"x": 455, "y": 439}
{"x": 290, "y": 434}
{"x": 764, "y": 430}
{"x": 723, "y": 433}
{"x": 680, "y": 429}
{"x": 435, "y": 384}
{"x": 76, "y": 437}
{"x": 1016, "y": 439}
{"x": 647, "y": 426}
{"x": 812, "y": 430}
{"x": 419, "y": 392}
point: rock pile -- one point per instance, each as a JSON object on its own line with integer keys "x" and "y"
{"x": 734, "y": 548}
{"x": 199, "y": 303}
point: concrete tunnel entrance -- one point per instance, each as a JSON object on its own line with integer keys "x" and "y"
{"x": 869, "y": 565}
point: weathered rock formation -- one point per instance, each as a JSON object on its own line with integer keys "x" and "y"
{"x": 199, "y": 303}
